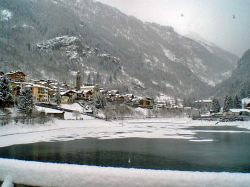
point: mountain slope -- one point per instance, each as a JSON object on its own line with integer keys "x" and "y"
{"x": 239, "y": 82}
{"x": 144, "y": 57}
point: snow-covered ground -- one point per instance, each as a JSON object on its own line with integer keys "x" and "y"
{"x": 65, "y": 130}
{"x": 48, "y": 174}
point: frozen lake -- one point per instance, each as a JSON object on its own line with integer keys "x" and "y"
{"x": 212, "y": 148}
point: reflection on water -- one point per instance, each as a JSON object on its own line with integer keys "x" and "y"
{"x": 227, "y": 152}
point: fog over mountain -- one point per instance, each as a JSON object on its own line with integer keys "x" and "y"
{"x": 239, "y": 82}
{"x": 56, "y": 38}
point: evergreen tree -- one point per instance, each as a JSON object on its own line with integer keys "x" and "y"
{"x": 215, "y": 105}
{"x": 236, "y": 102}
{"x": 26, "y": 104}
{"x": 228, "y": 103}
{"x": 78, "y": 81}
{"x": 6, "y": 97}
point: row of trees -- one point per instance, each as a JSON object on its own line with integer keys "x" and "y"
{"x": 24, "y": 103}
{"x": 229, "y": 102}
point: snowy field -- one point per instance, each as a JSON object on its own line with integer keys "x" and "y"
{"x": 65, "y": 130}
{"x": 47, "y": 174}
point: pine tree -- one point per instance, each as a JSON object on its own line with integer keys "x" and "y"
{"x": 236, "y": 102}
{"x": 228, "y": 103}
{"x": 25, "y": 103}
{"x": 215, "y": 105}
{"x": 78, "y": 81}
{"x": 6, "y": 97}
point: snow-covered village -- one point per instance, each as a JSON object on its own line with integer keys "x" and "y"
{"x": 22, "y": 98}
{"x": 104, "y": 93}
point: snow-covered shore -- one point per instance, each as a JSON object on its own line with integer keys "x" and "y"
{"x": 65, "y": 130}
{"x": 48, "y": 174}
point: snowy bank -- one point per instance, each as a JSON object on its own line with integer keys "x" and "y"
{"x": 48, "y": 174}
{"x": 65, "y": 130}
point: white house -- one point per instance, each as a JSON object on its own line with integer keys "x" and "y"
{"x": 239, "y": 112}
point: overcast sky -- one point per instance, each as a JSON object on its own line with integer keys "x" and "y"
{"x": 211, "y": 19}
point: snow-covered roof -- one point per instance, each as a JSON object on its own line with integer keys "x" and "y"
{"x": 204, "y": 101}
{"x": 239, "y": 110}
{"x": 48, "y": 110}
{"x": 65, "y": 92}
{"x": 74, "y": 107}
{"x": 129, "y": 95}
{"x": 14, "y": 72}
{"x": 36, "y": 85}
{"x": 87, "y": 87}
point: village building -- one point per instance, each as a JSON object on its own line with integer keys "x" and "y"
{"x": 194, "y": 113}
{"x": 204, "y": 106}
{"x": 53, "y": 113}
{"x": 78, "y": 81}
{"x": 129, "y": 97}
{"x": 88, "y": 91}
{"x": 17, "y": 76}
{"x": 40, "y": 93}
{"x": 119, "y": 99}
{"x": 112, "y": 95}
{"x": 146, "y": 103}
{"x": 238, "y": 112}
{"x": 17, "y": 88}
{"x": 80, "y": 95}
{"x": 68, "y": 96}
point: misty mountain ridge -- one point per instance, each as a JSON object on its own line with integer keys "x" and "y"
{"x": 239, "y": 82}
{"x": 53, "y": 38}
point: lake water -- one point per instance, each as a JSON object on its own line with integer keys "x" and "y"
{"x": 228, "y": 152}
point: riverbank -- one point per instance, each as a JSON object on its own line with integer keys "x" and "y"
{"x": 65, "y": 130}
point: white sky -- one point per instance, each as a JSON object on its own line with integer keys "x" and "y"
{"x": 211, "y": 19}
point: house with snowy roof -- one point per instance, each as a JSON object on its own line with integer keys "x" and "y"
{"x": 68, "y": 96}
{"x": 51, "y": 112}
{"x": 17, "y": 76}
{"x": 146, "y": 103}
{"x": 238, "y": 112}
{"x": 204, "y": 106}
{"x": 89, "y": 91}
{"x": 39, "y": 92}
